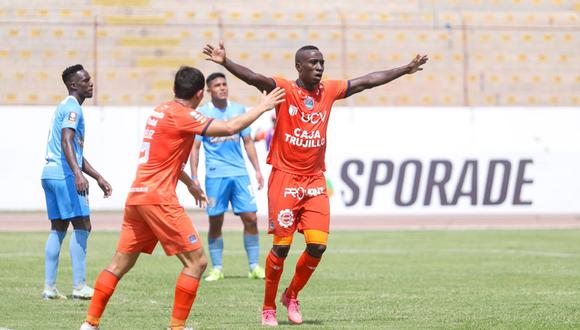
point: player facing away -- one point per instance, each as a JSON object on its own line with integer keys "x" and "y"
{"x": 152, "y": 211}
{"x": 297, "y": 198}
{"x": 227, "y": 180}
{"x": 65, "y": 187}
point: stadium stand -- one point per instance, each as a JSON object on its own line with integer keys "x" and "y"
{"x": 483, "y": 52}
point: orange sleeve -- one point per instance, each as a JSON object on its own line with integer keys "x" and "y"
{"x": 193, "y": 122}
{"x": 338, "y": 88}
{"x": 281, "y": 82}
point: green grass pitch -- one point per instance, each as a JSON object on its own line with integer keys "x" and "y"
{"x": 521, "y": 279}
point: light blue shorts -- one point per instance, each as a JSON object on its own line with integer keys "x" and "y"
{"x": 237, "y": 190}
{"x": 62, "y": 200}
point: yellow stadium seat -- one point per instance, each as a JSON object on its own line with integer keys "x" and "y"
{"x": 10, "y": 97}
{"x": 13, "y": 33}
{"x": 43, "y": 75}
{"x": 41, "y": 12}
{"x": 266, "y": 56}
{"x": 4, "y": 53}
{"x": 21, "y": 12}
{"x": 64, "y": 12}
{"x": 25, "y": 54}
{"x": 235, "y": 15}
{"x": 32, "y": 98}
{"x": 121, "y": 3}
{"x": 299, "y": 16}
{"x": 58, "y": 33}
{"x": 56, "y": 98}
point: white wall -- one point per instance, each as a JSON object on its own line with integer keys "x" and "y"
{"x": 543, "y": 144}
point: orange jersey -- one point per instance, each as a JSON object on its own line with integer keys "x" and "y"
{"x": 167, "y": 142}
{"x": 299, "y": 142}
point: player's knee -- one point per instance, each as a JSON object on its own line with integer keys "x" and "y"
{"x": 83, "y": 223}
{"x": 281, "y": 251}
{"x": 315, "y": 250}
{"x": 59, "y": 225}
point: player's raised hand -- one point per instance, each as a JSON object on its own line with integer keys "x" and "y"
{"x": 272, "y": 99}
{"x": 215, "y": 54}
{"x": 198, "y": 194}
{"x": 416, "y": 63}
{"x": 105, "y": 187}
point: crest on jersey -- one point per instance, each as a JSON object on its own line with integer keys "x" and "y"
{"x": 72, "y": 117}
{"x": 192, "y": 239}
{"x": 292, "y": 110}
{"x": 286, "y": 218}
{"x": 309, "y": 102}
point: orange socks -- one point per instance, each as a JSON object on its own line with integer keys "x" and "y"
{"x": 185, "y": 292}
{"x": 104, "y": 288}
{"x": 304, "y": 268}
{"x": 274, "y": 268}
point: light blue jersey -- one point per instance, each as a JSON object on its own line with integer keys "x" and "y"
{"x": 68, "y": 114}
{"x": 223, "y": 154}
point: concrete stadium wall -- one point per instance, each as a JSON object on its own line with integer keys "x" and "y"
{"x": 409, "y": 161}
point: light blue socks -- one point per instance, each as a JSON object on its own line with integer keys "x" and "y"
{"x": 216, "y": 249}
{"x": 78, "y": 254}
{"x": 252, "y": 245}
{"x": 51, "y": 254}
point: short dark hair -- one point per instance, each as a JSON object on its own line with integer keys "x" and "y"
{"x": 70, "y": 71}
{"x": 303, "y": 48}
{"x": 214, "y": 76}
{"x": 188, "y": 81}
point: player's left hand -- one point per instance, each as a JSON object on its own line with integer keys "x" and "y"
{"x": 105, "y": 187}
{"x": 198, "y": 194}
{"x": 416, "y": 63}
{"x": 260, "y": 180}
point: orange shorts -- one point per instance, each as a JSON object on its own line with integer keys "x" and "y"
{"x": 145, "y": 225}
{"x": 297, "y": 202}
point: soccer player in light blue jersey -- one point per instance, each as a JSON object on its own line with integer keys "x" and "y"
{"x": 65, "y": 187}
{"x": 227, "y": 180}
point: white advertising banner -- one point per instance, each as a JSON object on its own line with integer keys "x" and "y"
{"x": 379, "y": 160}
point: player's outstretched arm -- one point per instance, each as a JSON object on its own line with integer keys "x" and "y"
{"x": 217, "y": 54}
{"x": 382, "y": 77}
{"x": 103, "y": 184}
{"x": 194, "y": 189}
{"x": 194, "y": 160}
{"x": 235, "y": 125}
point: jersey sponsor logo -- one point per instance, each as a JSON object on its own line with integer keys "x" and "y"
{"x": 72, "y": 117}
{"x": 304, "y": 138}
{"x": 309, "y": 102}
{"x": 286, "y": 218}
{"x": 148, "y": 133}
{"x": 292, "y": 110}
{"x": 197, "y": 116}
{"x": 300, "y": 192}
{"x": 159, "y": 114}
{"x": 139, "y": 189}
{"x": 221, "y": 139}
{"x": 313, "y": 118}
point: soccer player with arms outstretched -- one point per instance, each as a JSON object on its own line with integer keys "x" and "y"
{"x": 297, "y": 198}
{"x": 152, "y": 211}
